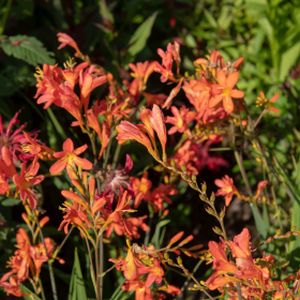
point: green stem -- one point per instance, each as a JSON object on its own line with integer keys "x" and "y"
{"x": 239, "y": 161}
{"x": 52, "y": 281}
{"x": 116, "y": 155}
{"x": 57, "y": 250}
{"x": 100, "y": 275}
{"x": 51, "y": 273}
{"x": 5, "y": 16}
{"x": 92, "y": 268}
{"x": 42, "y": 290}
{"x": 56, "y": 124}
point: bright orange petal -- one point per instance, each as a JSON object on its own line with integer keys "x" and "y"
{"x": 232, "y": 79}
{"x": 58, "y": 167}
{"x": 228, "y": 104}
{"x": 68, "y": 145}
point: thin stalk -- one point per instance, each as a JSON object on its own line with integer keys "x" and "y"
{"x": 106, "y": 154}
{"x": 42, "y": 290}
{"x": 116, "y": 155}
{"x": 239, "y": 291}
{"x": 56, "y": 124}
{"x": 62, "y": 244}
{"x": 101, "y": 259}
{"x": 239, "y": 161}
{"x": 52, "y": 281}
{"x": 259, "y": 118}
{"x": 186, "y": 283}
{"x": 5, "y": 16}
{"x": 92, "y": 267}
{"x": 51, "y": 272}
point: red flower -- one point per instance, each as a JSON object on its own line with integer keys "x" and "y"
{"x": 68, "y": 159}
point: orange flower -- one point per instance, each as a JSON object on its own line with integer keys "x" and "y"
{"x": 262, "y": 100}
{"x": 224, "y": 90}
{"x": 141, "y": 268}
{"x": 181, "y": 120}
{"x": 26, "y": 263}
{"x": 140, "y": 188}
{"x": 226, "y": 189}
{"x": 102, "y": 130}
{"x": 26, "y": 180}
{"x": 66, "y": 40}
{"x": 89, "y": 79}
{"x": 160, "y": 196}
{"x": 141, "y": 73}
{"x": 68, "y": 159}
{"x": 253, "y": 279}
{"x": 260, "y": 188}
{"x": 171, "y": 55}
{"x": 34, "y": 147}
{"x": 153, "y": 121}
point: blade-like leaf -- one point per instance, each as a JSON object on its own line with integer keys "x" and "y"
{"x": 141, "y": 35}
{"x": 29, "y": 295}
{"x": 77, "y": 289}
{"x": 261, "y": 220}
{"x": 288, "y": 60}
{"x": 157, "y": 233}
{"x": 10, "y": 202}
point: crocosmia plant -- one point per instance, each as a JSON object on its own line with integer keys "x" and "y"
{"x": 132, "y": 162}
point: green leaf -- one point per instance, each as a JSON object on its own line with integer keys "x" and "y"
{"x": 288, "y": 60}
{"x": 261, "y": 221}
{"x": 29, "y": 294}
{"x": 105, "y": 12}
{"x": 77, "y": 289}
{"x": 10, "y": 202}
{"x": 294, "y": 245}
{"x": 27, "y": 48}
{"x": 141, "y": 35}
{"x": 157, "y": 233}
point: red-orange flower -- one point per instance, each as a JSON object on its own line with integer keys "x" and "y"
{"x": 253, "y": 279}
{"x": 168, "y": 57}
{"x": 181, "y": 119}
{"x": 26, "y": 180}
{"x": 68, "y": 159}
{"x": 226, "y": 189}
{"x": 140, "y": 187}
{"x": 153, "y": 121}
{"x": 66, "y": 40}
{"x": 141, "y": 73}
{"x": 224, "y": 90}
{"x": 262, "y": 100}
{"x": 26, "y": 263}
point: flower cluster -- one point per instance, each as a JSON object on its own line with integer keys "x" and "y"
{"x": 26, "y": 263}
{"x": 106, "y": 201}
{"x": 142, "y": 268}
{"x": 242, "y": 274}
